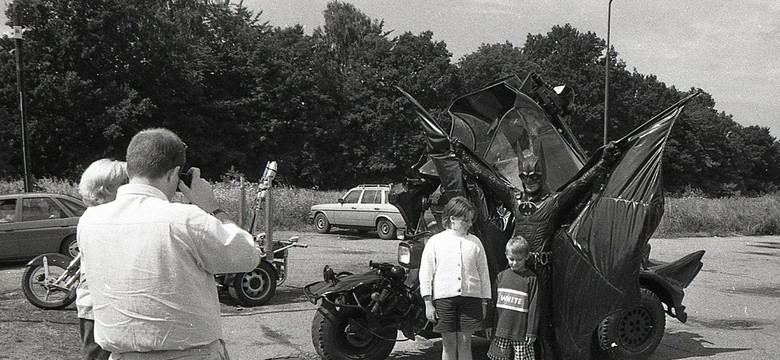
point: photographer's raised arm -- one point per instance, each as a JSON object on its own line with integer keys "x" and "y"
{"x": 202, "y": 194}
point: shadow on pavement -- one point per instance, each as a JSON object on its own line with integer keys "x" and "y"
{"x": 479, "y": 349}
{"x": 347, "y": 234}
{"x": 679, "y": 345}
{"x": 16, "y": 264}
{"x": 684, "y": 344}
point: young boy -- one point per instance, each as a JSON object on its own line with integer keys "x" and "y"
{"x": 516, "y": 306}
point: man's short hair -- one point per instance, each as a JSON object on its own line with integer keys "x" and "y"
{"x": 154, "y": 152}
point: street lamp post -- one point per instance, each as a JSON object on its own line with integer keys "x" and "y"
{"x": 22, "y": 114}
{"x": 606, "y": 75}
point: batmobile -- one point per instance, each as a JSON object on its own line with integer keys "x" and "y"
{"x": 608, "y": 299}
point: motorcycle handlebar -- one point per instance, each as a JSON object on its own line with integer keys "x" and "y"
{"x": 293, "y": 241}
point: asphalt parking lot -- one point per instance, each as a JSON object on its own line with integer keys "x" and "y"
{"x": 732, "y": 305}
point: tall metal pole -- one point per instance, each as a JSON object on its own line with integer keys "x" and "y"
{"x": 22, "y": 114}
{"x": 606, "y": 75}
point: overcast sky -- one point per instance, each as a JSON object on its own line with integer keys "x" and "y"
{"x": 728, "y": 48}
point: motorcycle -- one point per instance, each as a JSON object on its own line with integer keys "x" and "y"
{"x": 257, "y": 287}
{"x": 359, "y": 315}
{"x": 50, "y": 280}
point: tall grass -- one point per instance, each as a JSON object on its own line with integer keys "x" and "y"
{"x": 698, "y": 216}
{"x": 689, "y": 215}
{"x": 290, "y": 206}
{"x": 53, "y": 185}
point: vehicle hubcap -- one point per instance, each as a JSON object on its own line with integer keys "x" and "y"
{"x": 635, "y": 327}
{"x": 384, "y": 227}
{"x": 254, "y": 283}
{"x": 73, "y": 249}
{"x": 357, "y": 339}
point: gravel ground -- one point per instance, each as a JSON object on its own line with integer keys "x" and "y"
{"x": 732, "y": 305}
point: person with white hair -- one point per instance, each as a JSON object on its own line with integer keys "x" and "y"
{"x": 98, "y": 185}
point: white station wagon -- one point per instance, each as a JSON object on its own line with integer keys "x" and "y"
{"x": 364, "y": 208}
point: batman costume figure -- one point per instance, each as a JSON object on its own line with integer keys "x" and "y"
{"x": 588, "y": 221}
{"x": 539, "y": 213}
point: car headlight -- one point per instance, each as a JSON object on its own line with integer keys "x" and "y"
{"x": 404, "y": 254}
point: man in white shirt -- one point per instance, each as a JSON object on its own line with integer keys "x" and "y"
{"x": 151, "y": 263}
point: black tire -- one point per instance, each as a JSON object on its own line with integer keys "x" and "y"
{"x": 321, "y": 223}
{"x": 256, "y": 287}
{"x": 35, "y": 289}
{"x": 386, "y": 229}
{"x": 70, "y": 247}
{"x": 633, "y": 333}
{"x": 330, "y": 338}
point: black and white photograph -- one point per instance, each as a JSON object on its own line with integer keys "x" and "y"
{"x": 377, "y": 179}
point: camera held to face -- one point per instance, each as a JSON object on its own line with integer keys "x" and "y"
{"x": 186, "y": 177}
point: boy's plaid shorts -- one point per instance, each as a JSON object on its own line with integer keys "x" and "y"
{"x": 522, "y": 350}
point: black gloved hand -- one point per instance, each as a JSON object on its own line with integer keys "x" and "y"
{"x": 611, "y": 153}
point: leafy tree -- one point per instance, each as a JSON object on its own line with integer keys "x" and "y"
{"x": 491, "y": 62}
{"x": 240, "y": 92}
{"x": 566, "y": 56}
{"x": 294, "y": 108}
{"x": 102, "y": 70}
{"x": 377, "y": 135}
{"x": 763, "y": 153}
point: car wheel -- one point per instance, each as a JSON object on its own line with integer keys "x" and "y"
{"x": 256, "y": 287}
{"x": 321, "y": 223}
{"x": 386, "y": 229}
{"x": 70, "y": 247}
{"x": 633, "y": 333}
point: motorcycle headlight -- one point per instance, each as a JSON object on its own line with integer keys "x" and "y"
{"x": 404, "y": 254}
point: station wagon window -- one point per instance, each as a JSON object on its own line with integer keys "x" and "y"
{"x": 40, "y": 209}
{"x": 352, "y": 197}
{"x": 372, "y": 197}
{"x": 7, "y": 210}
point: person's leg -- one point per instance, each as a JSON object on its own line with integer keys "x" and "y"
{"x": 464, "y": 345}
{"x": 89, "y": 348}
{"x": 447, "y": 326}
{"x": 449, "y": 346}
{"x": 471, "y": 319}
{"x": 524, "y": 351}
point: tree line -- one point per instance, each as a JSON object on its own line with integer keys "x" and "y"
{"x": 241, "y": 92}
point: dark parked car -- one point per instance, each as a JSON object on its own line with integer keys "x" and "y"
{"x": 37, "y": 223}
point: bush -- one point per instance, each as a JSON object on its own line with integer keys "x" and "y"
{"x": 290, "y": 205}
{"x": 52, "y": 185}
{"x": 694, "y": 215}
